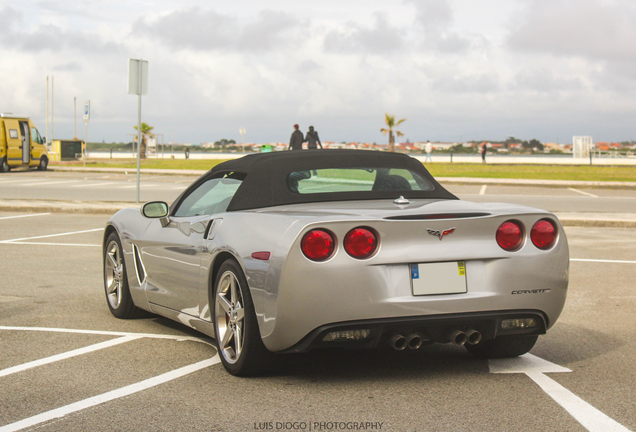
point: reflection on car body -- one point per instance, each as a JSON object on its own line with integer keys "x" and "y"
{"x": 292, "y": 251}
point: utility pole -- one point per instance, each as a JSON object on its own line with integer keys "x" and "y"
{"x": 48, "y": 137}
{"x": 138, "y": 85}
{"x": 75, "y": 116}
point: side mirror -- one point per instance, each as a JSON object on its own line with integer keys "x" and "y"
{"x": 155, "y": 209}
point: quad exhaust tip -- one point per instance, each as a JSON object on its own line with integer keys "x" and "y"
{"x": 473, "y": 336}
{"x": 415, "y": 340}
{"x": 470, "y": 336}
{"x": 397, "y": 342}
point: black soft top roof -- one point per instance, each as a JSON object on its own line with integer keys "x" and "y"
{"x": 265, "y": 177}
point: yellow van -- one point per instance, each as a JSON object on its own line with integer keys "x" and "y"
{"x": 21, "y": 145}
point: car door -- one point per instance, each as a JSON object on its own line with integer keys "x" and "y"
{"x": 170, "y": 253}
{"x": 25, "y": 136}
{"x": 14, "y": 145}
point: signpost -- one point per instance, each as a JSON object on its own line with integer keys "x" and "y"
{"x": 242, "y": 132}
{"x": 138, "y": 85}
{"x": 87, "y": 116}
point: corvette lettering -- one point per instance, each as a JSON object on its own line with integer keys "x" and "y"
{"x": 534, "y": 291}
{"x": 439, "y": 233}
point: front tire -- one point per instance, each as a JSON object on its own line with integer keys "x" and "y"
{"x": 502, "y": 347}
{"x": 4, "y": 166}
{"x": 44, "y": 163}
{"x": 116, "y": 286}
{"x": 238, "y": 339}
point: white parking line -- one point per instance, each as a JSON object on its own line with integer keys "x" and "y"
{"x": 535, "y": 368}
{"x": 109, "y": 396}
{"x": 56, "y": 182}
{"x": 51, "y": 235}
{"x": 23, "y": 216}
{"x": 482, "y": 191}
{"x": 67, "y": 355}
{"x": 602, "y": 261}
{"x": 178, "y": 338}
{"x": 15, "y": 181}
{"x": 92, "y": 184}
{"x": 50, "y": 244}
{"x": 583, "y": 193}
{"x": 591, "y": 418}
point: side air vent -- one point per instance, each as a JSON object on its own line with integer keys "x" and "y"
{"x": 139, "y": 266}
{"x": 438, "y": 216}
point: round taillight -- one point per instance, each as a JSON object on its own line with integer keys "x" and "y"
{"x": 317, "y": 245}
{"x": 543, "y": 234}
{"x": 360, "y": 243}
{"x": 509, "y": 235}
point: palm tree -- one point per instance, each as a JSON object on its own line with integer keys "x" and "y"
{"x": 145, "y": 133}
{"x": 390, "y": 122}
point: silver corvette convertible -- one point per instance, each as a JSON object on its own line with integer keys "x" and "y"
{"x": 292, "y": 251}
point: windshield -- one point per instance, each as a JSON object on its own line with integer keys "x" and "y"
{"x": 356, "y": 180}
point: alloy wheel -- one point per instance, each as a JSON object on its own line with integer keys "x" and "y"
{"x": 230, "y": 317}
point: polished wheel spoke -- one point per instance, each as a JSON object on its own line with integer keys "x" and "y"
{"x": 233, "y": 289}
{"x": 226, "y": 338}
{"x": 225, "y": 305}
{"x": 238, "y": 341}
{"x": 240, "y": 313}
{"x": 113, "y": 261}
{"x": 113, "y": 287}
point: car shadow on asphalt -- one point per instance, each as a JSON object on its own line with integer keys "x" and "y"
{"x": 338, "y": 364}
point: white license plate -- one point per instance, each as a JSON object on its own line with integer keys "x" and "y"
{"x": 438, "y": 278}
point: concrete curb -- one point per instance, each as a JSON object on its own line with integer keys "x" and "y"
{"x": 610, "y": 220}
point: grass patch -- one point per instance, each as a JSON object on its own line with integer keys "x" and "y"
{"x": 533, "y": 171}
{"x": 511, "y": 171}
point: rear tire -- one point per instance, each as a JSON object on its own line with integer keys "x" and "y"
{"x": 44, "y": 163}
{"x": 116, "y": 286}
{"x": 238, "y": 338}
{"x": 502, "y": 346}
{"x": 4, "y": 166}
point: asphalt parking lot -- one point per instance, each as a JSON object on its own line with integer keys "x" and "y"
{"x": 67, "y": 364}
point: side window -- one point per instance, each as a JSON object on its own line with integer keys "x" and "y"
{"x": 13, "y": 133}
{"x": 35, "y": 136}
{"x": 211, "y": 197}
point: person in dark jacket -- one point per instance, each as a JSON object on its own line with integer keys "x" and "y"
{"x": 484, "y": 149}
{"x": 296, "y": 140}
{"x": 312, "y": 139}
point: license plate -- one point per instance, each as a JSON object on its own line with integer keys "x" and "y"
{"x": 438, "y": 278}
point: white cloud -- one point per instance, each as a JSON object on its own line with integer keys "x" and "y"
{"x": 453, "y": 68}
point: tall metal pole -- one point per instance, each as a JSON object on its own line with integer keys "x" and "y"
{"x": 139, "y": 136}
{"x": 52, "y": 102}
{"x": 75, "y": 115}
{"x": 48, "y": 137}
{"x": 85, "y": 144}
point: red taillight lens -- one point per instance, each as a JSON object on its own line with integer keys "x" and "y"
{"x": 543, "y": 234}
{"x": 509, "y": 235}
{"x": 317, "y": 245}
{"x": 360, "y": 243}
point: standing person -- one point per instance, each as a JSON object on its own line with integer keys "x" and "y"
{"x": 484, "y": 148}
{"x": 312, "y": 139}
{"x": 428, "y": 149}
{"x": 296, "y": 140}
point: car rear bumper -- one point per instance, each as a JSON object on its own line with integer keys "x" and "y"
{"x": 439, "y": 328}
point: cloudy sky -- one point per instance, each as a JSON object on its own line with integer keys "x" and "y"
{"x": 455, "y": 69}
